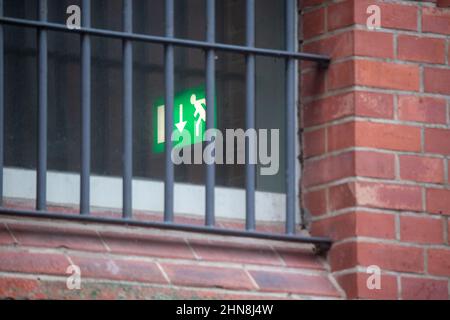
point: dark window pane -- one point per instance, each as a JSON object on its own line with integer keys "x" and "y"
{"x": 106, "y": 106}
{"x": 24, "y": 9}
{"x": 64, "y": 85}
{"x": 230, "y": 21}
{"x": 148, "y": 16}
{"x": 190, "y": 19}
{"x": 107, "y": 14}
{"x": 21, "y": 97}
{"x": 57, "y": 9}
{"x": 63, "y": 101}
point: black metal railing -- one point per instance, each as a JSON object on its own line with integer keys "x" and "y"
{"x": 210, "y": 46}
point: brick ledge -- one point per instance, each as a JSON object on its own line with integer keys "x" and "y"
{"x": 129, "y": 262}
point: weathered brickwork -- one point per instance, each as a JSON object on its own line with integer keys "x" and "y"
{"x": 376, "y": 132}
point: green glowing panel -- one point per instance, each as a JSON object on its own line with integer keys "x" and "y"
{"x": 189, "y": 116}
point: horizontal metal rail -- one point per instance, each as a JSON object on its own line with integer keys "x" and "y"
{"x": 321, "y": 242}
{"x": 168, "y": 40}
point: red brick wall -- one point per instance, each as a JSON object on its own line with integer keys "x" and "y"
{"x": 376, "y": 133}
{"x": 119, "y": 262}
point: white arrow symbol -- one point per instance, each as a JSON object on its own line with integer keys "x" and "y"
{"x": 180, "y": 125}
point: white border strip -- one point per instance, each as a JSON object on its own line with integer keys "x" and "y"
{"x": 106, "y": 192}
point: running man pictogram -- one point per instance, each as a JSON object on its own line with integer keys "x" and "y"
{"x": 199, "y": 111}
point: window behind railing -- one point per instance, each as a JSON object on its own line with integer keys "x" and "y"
{"x": 83, "y": 101}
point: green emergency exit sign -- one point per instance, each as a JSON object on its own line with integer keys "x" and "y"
{"x": 189, "y": 116}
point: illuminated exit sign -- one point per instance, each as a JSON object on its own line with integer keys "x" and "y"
{"x": 189, "y": 116}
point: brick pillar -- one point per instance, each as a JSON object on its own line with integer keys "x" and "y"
{"x": 376, "y": 143}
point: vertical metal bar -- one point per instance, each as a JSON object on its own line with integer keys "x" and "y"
{"x": 210, "y": 100}
{"x": 250, "y": 177}
{"x": 85, "y": 110}
{"x": 2, "y": 103}
{"x": 127, "y": 110}
{"x": 169, "y": 100}
{"x": 41, "y": 197}
{"x": 290, "y": 118}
